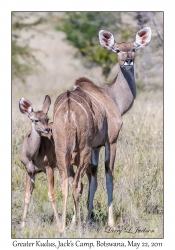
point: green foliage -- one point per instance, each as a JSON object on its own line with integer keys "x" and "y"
{"x": 81, "y": 31}
{"x": 23, "y": 60}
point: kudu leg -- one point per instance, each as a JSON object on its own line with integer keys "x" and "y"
{"x": 63, "y": 166}
{"x": 110, "y": 152}
{"x": 76, "y": 187}
{"x": 85, "y": 158}
{"x": 92, "y": 177}
{"x": 30, "y": 181}
{"x": 71, "y": 175}
{"x": 65, "y": 191}
{"x": 51, "y": 193}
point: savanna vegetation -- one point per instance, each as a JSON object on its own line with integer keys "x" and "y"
{"x": 49, "y": 52}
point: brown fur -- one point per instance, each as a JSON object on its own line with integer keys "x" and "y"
{"x": 38, "y": 152}
{"x": 94, "y": 121}
{"x": 82, "y": 79}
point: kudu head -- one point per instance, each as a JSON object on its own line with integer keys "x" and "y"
{"x": 39, "y": 118}
{"x": 125, "y": 50}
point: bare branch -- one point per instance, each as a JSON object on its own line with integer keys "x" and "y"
{"x": 156, "y": 28}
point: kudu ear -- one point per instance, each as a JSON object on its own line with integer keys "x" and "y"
{"x": 143, "y": 38}
{"x": 25, "y": 107}
{"x": 107, "y": 41}
{"x": 46, "y": 104}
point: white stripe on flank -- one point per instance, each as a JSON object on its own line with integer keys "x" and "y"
{"x": 61, "y": 100}
{"x": 100, "y": 103}
{"x": 59, "y": 107}
{"x": 87, "y": 104}
{"x": 74, "y": 101}
{"x": 81, "y": 98}
{"x": 80, "y": 106}
{"x": 65, "y": 116}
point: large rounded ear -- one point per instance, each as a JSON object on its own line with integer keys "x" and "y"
{"x": 107, "y": 41}
{"x": 25, "y": 107}
{"x": 46, "y": 104}
{"x": 143, "y": 38}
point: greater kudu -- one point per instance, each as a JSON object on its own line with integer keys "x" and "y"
{"x": 89, "y": 117}
{"x": 38, "y": 151}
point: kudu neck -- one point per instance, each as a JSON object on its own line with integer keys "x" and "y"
{"x": 123, "y": 89}
{"x": 34, "y": 141}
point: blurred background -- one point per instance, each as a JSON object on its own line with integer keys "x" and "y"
{"x": 50, "y": 50}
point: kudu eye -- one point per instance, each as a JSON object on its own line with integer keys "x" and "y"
{"x": 117, "y": 50}
{"x": 36, "y": 120}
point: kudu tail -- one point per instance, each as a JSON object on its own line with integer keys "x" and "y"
{"x": 70, "y": 133}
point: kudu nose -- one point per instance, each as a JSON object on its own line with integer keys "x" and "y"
{"x": 47, "y": 130}
{"x": 128, "y": 61}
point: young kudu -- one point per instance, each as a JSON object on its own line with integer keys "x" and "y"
{"x": 89, "y": 117}
{"x": 38, "y": 151}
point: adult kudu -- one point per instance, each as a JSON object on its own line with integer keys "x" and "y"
{"x": 89, "y": 117}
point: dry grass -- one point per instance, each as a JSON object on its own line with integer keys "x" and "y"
{"x": 138, "y": 171}
{"x": 138, "y": 188}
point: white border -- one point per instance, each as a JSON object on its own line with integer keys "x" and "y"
{"x": 5, "y": 98}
